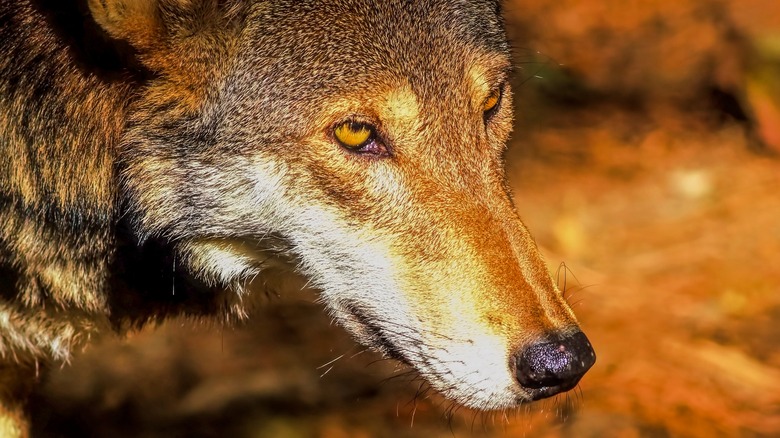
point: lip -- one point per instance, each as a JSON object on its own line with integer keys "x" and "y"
{"x": 549, "y": 391}
{"x": 376, "y": 335}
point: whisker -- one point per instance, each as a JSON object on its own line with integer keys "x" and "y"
{"x": 331, "y": 361}
{"x": 358, "y": 353}
{"x": 326, "y": 372}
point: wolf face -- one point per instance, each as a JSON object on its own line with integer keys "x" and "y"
{"x": 362, "y": 143}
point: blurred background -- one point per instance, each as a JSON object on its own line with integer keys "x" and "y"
{"x": 644, "y": 161}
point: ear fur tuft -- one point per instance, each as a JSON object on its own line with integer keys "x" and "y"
{"x": 135, "y": 21}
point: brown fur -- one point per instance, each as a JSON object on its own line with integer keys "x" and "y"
{"x": 130, "y": 144}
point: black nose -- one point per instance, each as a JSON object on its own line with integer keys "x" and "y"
{"x": 549, "y": 367}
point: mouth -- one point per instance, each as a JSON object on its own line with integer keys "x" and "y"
{"x": 548, "y": 391}
{"x": 375, "y": 336}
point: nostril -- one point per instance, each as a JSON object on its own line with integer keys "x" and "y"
{"x": 561, "y": 363}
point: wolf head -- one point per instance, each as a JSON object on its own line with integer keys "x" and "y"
{"x": 363, "y": 141}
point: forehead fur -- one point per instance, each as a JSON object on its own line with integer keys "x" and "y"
{"x": 356, "y": 47}
{"x": 353, "y": 36}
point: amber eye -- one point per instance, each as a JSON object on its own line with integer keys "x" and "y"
{"x": 490, "y": 105}
{"x": 354, "y": 135}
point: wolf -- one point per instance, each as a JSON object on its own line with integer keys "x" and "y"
{"x": 178, "y": 157}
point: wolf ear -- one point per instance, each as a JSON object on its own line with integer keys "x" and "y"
{"x": 136, "y": 21}
{"x": 156, "y": 25}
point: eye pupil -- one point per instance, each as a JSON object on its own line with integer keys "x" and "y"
{"x": 353, "y": 135}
